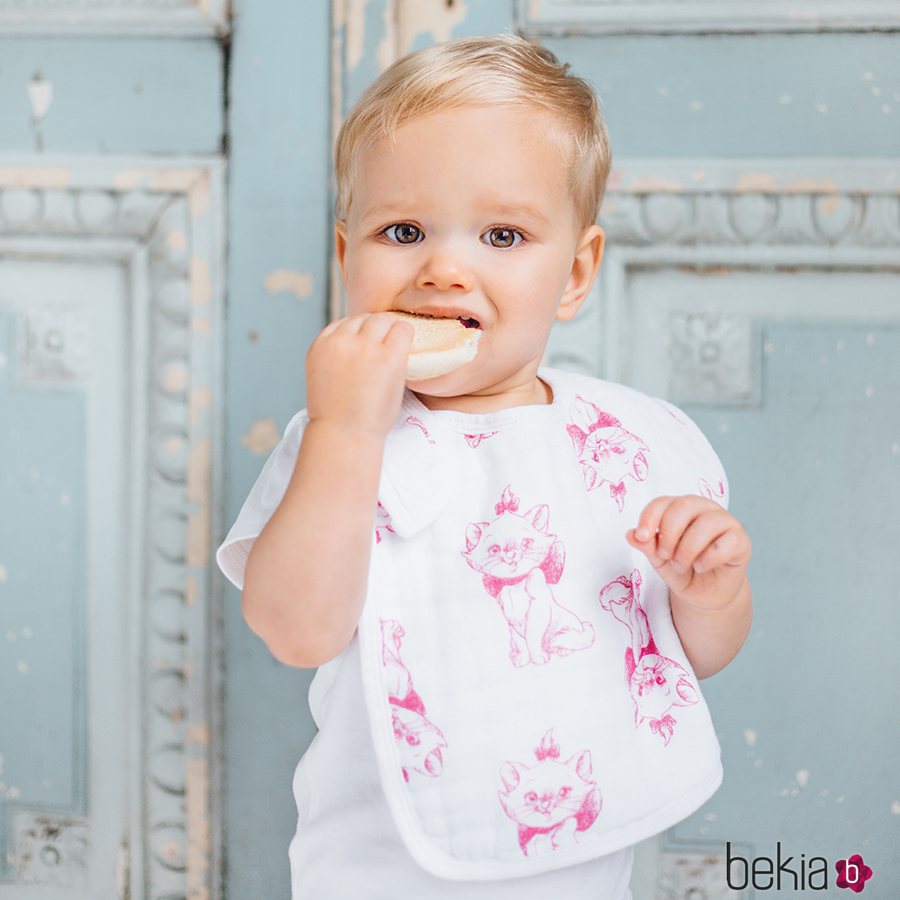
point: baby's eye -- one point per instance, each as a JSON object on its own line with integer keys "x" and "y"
{"x": 504, "y": 238}
{"x": 403, "y": 233}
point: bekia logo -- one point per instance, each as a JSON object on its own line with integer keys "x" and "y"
{"x": 785, "y": 873}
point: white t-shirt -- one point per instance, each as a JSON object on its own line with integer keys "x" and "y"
{"x": 516, "y": 710}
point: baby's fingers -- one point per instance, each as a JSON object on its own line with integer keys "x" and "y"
{"x": 731, "y": 548}
{"x": 701, "y": 533}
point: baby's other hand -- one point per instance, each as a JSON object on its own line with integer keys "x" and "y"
{"x": 356, "y": 373}
{"x": 699, "y": 549}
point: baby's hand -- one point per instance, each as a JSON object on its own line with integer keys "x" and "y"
{"x": 356, "y": 372}
{"x": 699, "y": 549}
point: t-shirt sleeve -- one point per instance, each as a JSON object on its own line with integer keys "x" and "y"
{"x": 261, "y": 502}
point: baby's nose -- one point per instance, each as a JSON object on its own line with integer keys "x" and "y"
{"x": 445, "y": 270}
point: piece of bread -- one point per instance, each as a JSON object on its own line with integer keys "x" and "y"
{"x": 439, "y": 346}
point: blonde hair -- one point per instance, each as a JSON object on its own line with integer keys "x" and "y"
{"x": 501, "y": 69}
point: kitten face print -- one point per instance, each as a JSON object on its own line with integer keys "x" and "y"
{"x": 608, "y": 454}
{"x": 420, "y": 743}
{"x": 655, "y": 682}
{"x": 551, "y": 802}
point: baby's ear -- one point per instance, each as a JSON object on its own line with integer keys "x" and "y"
{"x": 585, "y": 265}
{"x": 340, "y": 244}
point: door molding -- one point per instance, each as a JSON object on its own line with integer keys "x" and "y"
{"x": 164, "y": 223}
{"x": 712, "y": 215}
{"x": 186, "y": 18}
{"x": 561, "y": 17}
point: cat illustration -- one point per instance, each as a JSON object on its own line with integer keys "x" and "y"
{"x": 716, "y": 493}
{"x": 607, "y": 452}
{"x": 656, "y": 683}
{"x": 382, "y": 522}
{"x": 552, "y": 802}
{"x": 473, "y": 440}
{"x": 519, "y": 560}
{"x": 417, "y": 422}
{"x": 418, "y": 740}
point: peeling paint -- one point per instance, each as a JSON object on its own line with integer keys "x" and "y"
{"x": 262, "y": 437}
{"x": 299, "y": 283}
{"x": 128, "y": 179}
{"x": 895, "y": 807}
{"x": 750, "y": 737}
{"x": 198, "y": 734}
{"x": 201, "y": 324}
{"x": 436, "y": 18}
{"x": 198, "y": 197}
{"x": 198, "y": 527}
{"x": 353, "y": 17}
{"x": 199, "y": 402}
{"x": 198, "y": 471}
{"x": 176, "y": 239}
{"x": 35, "y": 177}
{"x": 652, "y": 184}
{"x": 40, "y": 95}
{"x": 198, "y": 829}
{"x": 757, "y": 183}
{"x": 802, "y": 777}
{"x": 4, "y": 576}
{"x": 811, "y": 186}
{"x": 201, "y": 286}
{"x": 191, "y": 590}
{"x": 198, "y": 537}
{"x": 387, "y": 49}
{"x": 174, "y": 181}
{"x": 175, "y": 378}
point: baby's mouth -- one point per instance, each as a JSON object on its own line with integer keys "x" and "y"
{"x": 467, "y": 321}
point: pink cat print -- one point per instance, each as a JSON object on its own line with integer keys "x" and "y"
{"x": 607, "y": 452}
{"x": 552, "y": 802}
{"x": 473, "y": 440}
{"x": 418, "y": 740}
{"x": 519, "y": 559}
{"x": 382, "y": 523}
{"x": 716, "y": 493}
{"x": 417, "y": 422}
{"x": 656, "y": 683}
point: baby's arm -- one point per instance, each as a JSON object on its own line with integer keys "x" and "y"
{"x": 306, "y": 575}
{"x": 701, "y": 551}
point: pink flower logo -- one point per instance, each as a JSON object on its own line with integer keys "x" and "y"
{"x": 853, "y": 873}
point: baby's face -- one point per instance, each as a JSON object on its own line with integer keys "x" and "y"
{"x": 466, "y": 212}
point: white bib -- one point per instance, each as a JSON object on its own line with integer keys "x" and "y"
{"x": 530, "y": 703}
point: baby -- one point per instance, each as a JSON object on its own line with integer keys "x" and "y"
{"x": 511, "y": 576}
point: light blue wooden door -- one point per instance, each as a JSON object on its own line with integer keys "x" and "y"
{"x": 750, "y": 276}
{"x": 111, "y": 289}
